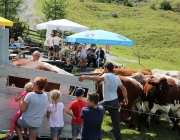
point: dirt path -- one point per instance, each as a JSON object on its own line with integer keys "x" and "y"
{"x": 27, "y": 14}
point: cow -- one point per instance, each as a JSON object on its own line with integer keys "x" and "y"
{"x": 173, "y": 73}
{"x": 129, "y": 72}
{"x": 161, "y": 94}
{"x": 134, "y": 91}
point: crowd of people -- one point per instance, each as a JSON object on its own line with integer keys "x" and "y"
{"x": 83, "y": 55}
{"x": 87, "y": 116}
{"x": 16, "y": 42}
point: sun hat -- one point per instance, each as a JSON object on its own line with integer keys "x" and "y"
{"x": 79, "y": 91}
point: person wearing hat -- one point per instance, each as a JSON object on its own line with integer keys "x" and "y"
{"x": 74, "y": 110}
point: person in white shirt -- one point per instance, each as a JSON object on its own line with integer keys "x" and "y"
{"x": 50, "y": 41}
{"x": 57, "y": 43}
{"x": 82, "y": 55}
{"x": 55, "y": 114}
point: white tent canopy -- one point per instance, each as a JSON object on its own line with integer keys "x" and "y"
{"x": 63, "y": 25}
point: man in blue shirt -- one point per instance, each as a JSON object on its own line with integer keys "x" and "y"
{"x": 13, "y": 46}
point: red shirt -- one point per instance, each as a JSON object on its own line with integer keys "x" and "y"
{"x": 76, "y": 107}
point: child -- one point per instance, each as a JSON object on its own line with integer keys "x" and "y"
{"x": 68, "y": 66}
{"x": 55, "y": 113}
{"x": 28, "y": 87}
{"x": 75, "y": 107}
{"x": 92, "y": 116}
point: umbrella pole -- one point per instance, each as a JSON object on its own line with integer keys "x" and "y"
{"x": 62, "y": 39}
{"x": 98, "y": 56}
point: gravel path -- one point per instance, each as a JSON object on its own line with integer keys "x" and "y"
{"x": 27, "y": 14}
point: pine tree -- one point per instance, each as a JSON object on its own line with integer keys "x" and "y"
{"x": 54, "y": 9}
{"x": 10, "y": 8}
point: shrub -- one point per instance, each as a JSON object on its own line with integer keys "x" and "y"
{"x": 177, "y": 7}
{"x": 127, "y": 3}
{"x": 153, "y": 7}
{"x": 165, "y": 5}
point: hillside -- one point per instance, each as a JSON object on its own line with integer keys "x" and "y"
{"x": 155, "y": 32}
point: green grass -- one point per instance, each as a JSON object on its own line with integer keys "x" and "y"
{"x": 155, "y": 34}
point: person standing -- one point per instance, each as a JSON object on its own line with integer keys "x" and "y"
{"x": 57, "y": 42}
{"x": 110, "y": 98}
{"x": 50, "y": 41}
{"x": 107, "y": 48}
{"x": 33, "y": 108}
{"x": 92, "y": 117}
{"x": 55, "y": 114}
{"x": 75, "y": 107}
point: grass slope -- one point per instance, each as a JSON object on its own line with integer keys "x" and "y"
{"x": 154, "y": 32}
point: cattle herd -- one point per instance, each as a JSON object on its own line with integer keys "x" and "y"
{"x": 149, "y": 92}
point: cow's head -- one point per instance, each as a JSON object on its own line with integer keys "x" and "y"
{"x": 156, "y": 90}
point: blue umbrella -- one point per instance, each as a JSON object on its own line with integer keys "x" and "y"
{"x": 100, "y": 37}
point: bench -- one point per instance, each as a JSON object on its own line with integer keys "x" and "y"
{"x": 23, "y": 52}
{"x": 12, "y": 55}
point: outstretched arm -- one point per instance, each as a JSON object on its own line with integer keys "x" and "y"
{"x": 94, "y": 78}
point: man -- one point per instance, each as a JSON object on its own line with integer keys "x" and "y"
{"x": 110, "y": 102}
{"x": 36, "y": 56}
{"x": 13, "y": 46}
{"x": 91, "y": 56}
{"x": 50, "y": 41}
{"x": 57, "y": 42}
{"x": 100, "y": 56}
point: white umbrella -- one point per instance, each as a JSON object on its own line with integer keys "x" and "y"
{"x": 63, "y": 25}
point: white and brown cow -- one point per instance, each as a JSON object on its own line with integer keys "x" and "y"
{"x": 164, "y": 95}
{"x": 172, "y": 73}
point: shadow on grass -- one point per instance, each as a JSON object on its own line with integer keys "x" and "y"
{"x": 161, "y": 131}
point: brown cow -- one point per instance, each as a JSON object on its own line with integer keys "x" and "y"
{"x": 162, "y": 94}
{"x": 134, "y": 92}
{"x": 129, "y": 72}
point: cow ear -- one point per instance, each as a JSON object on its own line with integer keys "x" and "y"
{"x": 170, "y": 81}
{"x": 152, "y": 80}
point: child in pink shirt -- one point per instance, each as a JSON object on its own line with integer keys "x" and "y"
{"x": 28, "y": 87}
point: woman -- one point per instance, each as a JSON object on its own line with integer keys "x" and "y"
{"x": 82, "y": 56}
{"x": 33, "y": 107}
{"x": 21, "y": 41}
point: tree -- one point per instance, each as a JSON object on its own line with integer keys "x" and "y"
{"x": 54, "y": 9}
{"x": 11, "y": 9}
